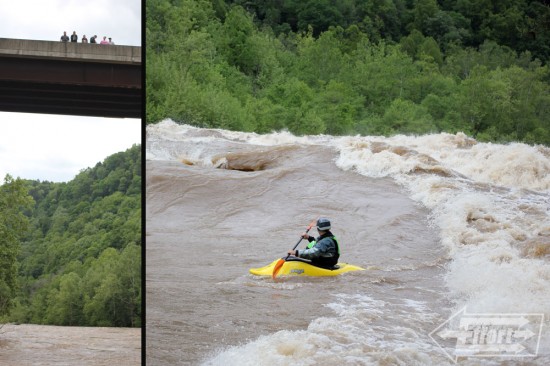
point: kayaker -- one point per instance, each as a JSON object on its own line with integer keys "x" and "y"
{"x": 324, "y": 250}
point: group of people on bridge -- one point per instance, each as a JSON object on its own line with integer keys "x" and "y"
{"x": 74, "y": 38}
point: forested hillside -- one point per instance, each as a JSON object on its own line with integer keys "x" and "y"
{"x": 80, "y": 260}
{"x": 14, "y": 200}
{"x": 347, "y": 67}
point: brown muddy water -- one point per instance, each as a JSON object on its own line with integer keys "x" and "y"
{"x": 208, "y": 223}
{"x": 44, "y": 345}
{"x": 451, "y": 231}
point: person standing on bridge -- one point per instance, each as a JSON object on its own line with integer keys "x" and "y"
{"x": 74, "y": 37}
{"x": 104, "y": 40}
{"x": 92, "y": 40}
{"x": 111, "y": 42}
{"x": 84, "y": 39}
{"x": 65, "y": 37}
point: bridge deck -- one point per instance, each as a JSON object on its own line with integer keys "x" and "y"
{"x": 70, "y": 78}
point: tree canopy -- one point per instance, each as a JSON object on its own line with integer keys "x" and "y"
{"x": 348, "y": 67}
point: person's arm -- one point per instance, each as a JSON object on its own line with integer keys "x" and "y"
{"x": 316, "y": 251}
{"x": 311, "y": 253}
{"x": 310, "y": 239}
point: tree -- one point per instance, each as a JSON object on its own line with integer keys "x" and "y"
{"x": 423, "y": 11}
{"x": 405, "y": 116}
{"x": 65, "y": 306}
{"x": 477, "y": 11}
{"x": 381, "y": 74}
{"x": 319, "y": 15}
{"x": 430, "y": 50}
{"x": 411, "y": 44}
{"x": 338, "y": 107}
{"x": 112, "y": 288}
{"x": 236, "y": 35}
{"x": 485, "y": 100}
{"x": 130, "y": 276}
{"x": 14, "y": 199}
{"x": 448, "y": 27}
{"x": 381, "y": 19}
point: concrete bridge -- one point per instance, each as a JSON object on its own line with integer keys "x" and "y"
{"x": 70, "y": 78}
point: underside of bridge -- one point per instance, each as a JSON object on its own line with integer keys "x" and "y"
{"x": 30, "y": 97}
{"x": 72, "y": 86}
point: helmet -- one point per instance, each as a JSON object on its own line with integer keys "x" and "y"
{"x": 323, "y": 224}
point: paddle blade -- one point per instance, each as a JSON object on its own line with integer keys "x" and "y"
{"x": 277, "y": 267}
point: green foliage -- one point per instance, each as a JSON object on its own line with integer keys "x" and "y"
{"x": 514, "y": 97}
{"x": 319, "y": 15}
{"x": 112, "y": 288}
{"x": 423, "y": 11}
{"x": 14, "y": 200}
{"x": 338, "y": 106}
{"x": 347, "y": 67}
{"x": 80, "y": 261}
{"x": 407, "y": 117}
{"x": 64, "y": 305}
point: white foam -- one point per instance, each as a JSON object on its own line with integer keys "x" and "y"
{"x": 364, "y": 331}
{"x": 483, "y": 226}
{"x": 168, "y": 140}
{"x": 514, "y": 165}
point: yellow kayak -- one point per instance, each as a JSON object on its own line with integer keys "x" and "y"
{"x": 297, "y": 267}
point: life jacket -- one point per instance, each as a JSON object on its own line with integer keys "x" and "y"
{"x": 323, "y": 261}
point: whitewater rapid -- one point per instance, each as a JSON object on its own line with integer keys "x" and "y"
{"x": 487, "y": 204}
{"x": 490, "y": 202}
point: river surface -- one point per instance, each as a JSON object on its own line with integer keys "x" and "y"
{"x": 445, "y": 227}
{"x": 45, "y": 345}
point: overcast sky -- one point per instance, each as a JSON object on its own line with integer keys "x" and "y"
{"x": 53, "y": 147}
{"x": 47, "y": 19}
{"x": 56, "y": 148}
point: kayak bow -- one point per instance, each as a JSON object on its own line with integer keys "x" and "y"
{"x": 300, "y": 267}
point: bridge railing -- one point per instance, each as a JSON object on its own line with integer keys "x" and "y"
{"x": 68, "y": 51}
